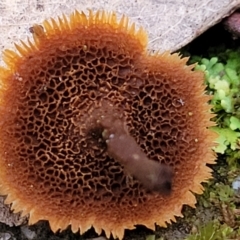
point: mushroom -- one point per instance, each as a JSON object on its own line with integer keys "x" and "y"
{"x": 67, "y": 100}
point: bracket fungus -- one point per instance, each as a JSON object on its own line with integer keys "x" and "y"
{"x": 83, "y": 101}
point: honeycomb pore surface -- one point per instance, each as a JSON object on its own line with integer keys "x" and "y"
{"x": 55, "y": 160}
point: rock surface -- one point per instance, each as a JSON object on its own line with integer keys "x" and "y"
{"x": 170, "y": 24}
{"x": 9, "y": 218}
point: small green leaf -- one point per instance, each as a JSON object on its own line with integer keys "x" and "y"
{"x": 205, "y": 62}
{"x": 217, "y": 69}
{"x": 212, "y": 81}
{"x": 225, "y": 193}
{"x": 226, "y": 137}
{"x": 226, "y": 103}
{"x": 222, "y": 85}
{"x": 232, "y": 74}
{"x": 234, "y": 123}
{"x": 150, "y": 237}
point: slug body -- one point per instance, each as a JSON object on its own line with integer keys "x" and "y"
{"x": 153, "y": 175}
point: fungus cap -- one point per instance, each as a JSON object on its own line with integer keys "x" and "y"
{"x": 54, "y": 160}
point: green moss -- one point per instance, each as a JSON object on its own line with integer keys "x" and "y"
{"x": 212, "y": 231}
{"x": 220, "y": 200}
{"x": 222, "y": 78}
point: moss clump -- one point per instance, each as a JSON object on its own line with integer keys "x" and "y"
{"x": 222, "y": 77}
{"x": 214, "y": 231}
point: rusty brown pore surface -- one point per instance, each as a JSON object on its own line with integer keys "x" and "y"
{"x": 165, "y": 31}
{"x": 54, "y": 161}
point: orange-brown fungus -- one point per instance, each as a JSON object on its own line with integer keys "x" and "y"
{"x": 54, "y": 161}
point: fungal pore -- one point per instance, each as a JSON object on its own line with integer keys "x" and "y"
{"x": 96, "y": 131}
